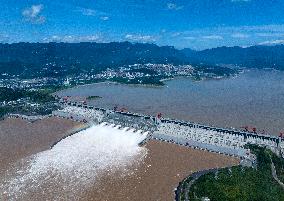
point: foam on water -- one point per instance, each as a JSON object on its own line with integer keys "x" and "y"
{"x": 78, "y": 161}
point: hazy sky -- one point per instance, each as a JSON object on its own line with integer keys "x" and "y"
{"x": 197, "y": 24}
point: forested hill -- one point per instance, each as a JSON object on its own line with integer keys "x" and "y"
{"x": 28, "y": 58}
{"x": 250, "y": 57}
{"x": 56, "y": 59}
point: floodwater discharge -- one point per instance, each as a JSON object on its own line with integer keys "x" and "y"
{"x": 98, "y": 164}
{"x": 74, "y": 164}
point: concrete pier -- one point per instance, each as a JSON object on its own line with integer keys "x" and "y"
{"x": 220, "y": 140}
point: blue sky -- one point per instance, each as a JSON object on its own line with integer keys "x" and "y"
{"x": 198, "y": 24}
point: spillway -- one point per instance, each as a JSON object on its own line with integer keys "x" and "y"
{"x": 76, "y": 162}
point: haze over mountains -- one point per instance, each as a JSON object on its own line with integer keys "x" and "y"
{"x": 32, "y": 58}
{"x": 76, "y": 57}
{"x": 250, "y": 57}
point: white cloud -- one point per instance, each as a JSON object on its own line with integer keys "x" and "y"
{"x": 252, "y": 32}
{"x": 74, "y": 39}
{"x": 175, "y": 34}
{"x": 87, "y": 11}
{"x": 4, "y": 38}
{"x": 213, "y": 37}
{"x": 104, "y": 18}
{"x": 270, "y": 34}
{"x": 33, "y": 11}
{"x": 33, "y": 14}
{"x": 163, "y": 31}
{"x": 140, "y": 38}
{"x": 272, "y": 42}
{"x": 267, "y": 27}
{"x": 240, "y": 0}
{"x": 91, "y": 12}
{"x": 189, "y": 38}
{"x": 239, "y": 35}
{"x": 172, "y": 6}
{"x": 270, "y": 29}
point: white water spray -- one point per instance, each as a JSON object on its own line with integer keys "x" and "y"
{"x": 79, "y": 161}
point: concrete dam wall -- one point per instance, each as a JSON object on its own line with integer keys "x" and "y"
{"x": 190, "y": 134}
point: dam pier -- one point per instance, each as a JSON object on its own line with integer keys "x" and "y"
{"x": 213, "y": 139}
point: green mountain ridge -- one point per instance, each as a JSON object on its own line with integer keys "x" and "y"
{"x": 56, "y": 59}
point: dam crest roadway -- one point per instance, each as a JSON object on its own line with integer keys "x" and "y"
{"x": 213, "y": 139}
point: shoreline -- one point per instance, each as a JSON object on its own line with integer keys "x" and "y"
{"x": 163, "y": 82}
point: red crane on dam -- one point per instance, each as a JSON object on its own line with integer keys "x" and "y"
{"x": 250, "y": 129}
{"x": 159, "y": 115}
{"x": 65, "y": 98}
{"x": 123, "y": 109}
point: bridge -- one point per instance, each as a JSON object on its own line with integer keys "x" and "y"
{"x": 214, "y": 139}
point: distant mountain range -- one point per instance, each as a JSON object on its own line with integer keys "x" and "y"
{"x": 26, "y": 58}
{"x": 250, "y": 57}
{"x": 45, "y": 59}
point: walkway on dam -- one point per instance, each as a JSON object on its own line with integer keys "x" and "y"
{"x": 180, "y": 122}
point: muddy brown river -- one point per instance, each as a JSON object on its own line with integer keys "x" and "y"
{"x": 254, "y": 98}
{"x": 153, "y": 174}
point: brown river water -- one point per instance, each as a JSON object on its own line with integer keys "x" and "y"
{"x": 254, "y": 98}
{"x": 97, "y": 165}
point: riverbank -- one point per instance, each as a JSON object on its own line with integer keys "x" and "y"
{"x": 240, "y": 183}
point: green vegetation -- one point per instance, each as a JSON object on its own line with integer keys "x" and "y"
{"x": 4, "y": 111}
{"x": 31, "y": 102}
{"x": 279, "y": 166}
{"x": 243, "y": 183}
{"x": 182, "y": 188}
{"x": 155, "y": 80}
{"x": 53, "y": 88}
{"x": 144, "y": 70}
{"x": 93, "y": 97}
{"x": 7, "y": 94}
{"x": 216, "y": 70}
{"x": 39, "y": 96}
{"x": 62, "y": 59}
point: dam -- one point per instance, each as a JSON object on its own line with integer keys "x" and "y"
{"x": 94, "y": 162}
{"x": 220, "y": 140}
